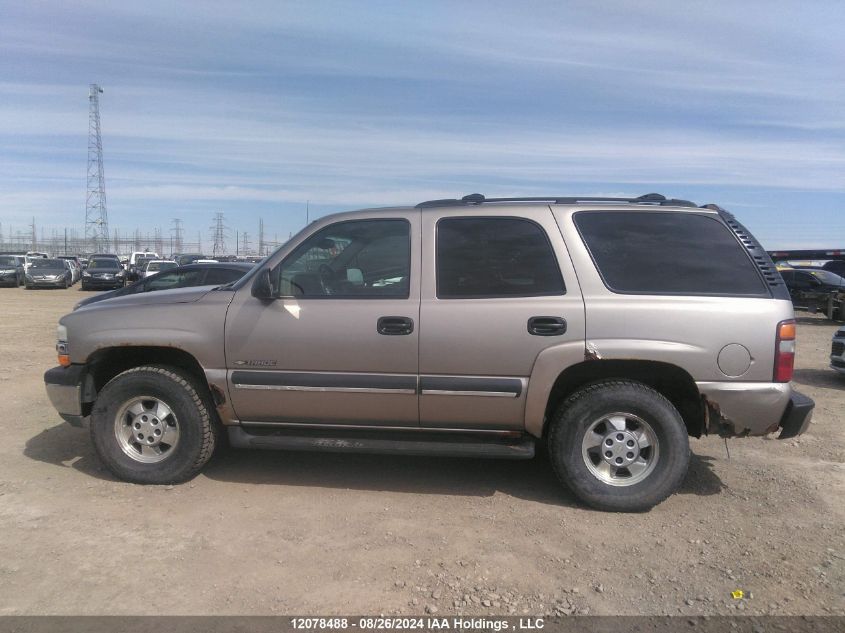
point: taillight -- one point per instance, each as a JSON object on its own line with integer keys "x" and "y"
{"x": 784, "y": 351}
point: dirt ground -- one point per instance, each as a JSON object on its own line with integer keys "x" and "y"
{"x": 296, "y": 533}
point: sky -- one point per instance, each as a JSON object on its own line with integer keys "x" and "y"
{"x": 257, "y": 109}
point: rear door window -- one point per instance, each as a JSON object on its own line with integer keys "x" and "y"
{"x": 495, "y": 257}
{"x": 668, "y": 253}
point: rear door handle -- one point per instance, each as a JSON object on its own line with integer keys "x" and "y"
{"x": 546, "y": 326}
{"x": 395, "y": 325}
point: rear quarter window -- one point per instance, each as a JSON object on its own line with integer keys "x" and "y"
{"x": 668, "y": 253}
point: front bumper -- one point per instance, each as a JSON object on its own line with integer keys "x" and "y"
{"x": 107, "y": 284}
{"x": 67, "y": 389}
{"x": 741, "y": 409}
{"x": 837, "y": 354}
{"x": 46, "y": 283}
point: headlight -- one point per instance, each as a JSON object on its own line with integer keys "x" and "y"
{"x": 85, "y": 273}
{"x": 62, "y": 350}
{"x": 121, "y": 273}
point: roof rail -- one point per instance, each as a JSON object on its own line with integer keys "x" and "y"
{"x": 477, "y": 198}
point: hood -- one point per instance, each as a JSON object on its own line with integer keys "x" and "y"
{"x": 159, "y": 297}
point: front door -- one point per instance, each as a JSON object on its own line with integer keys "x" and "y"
{"x": 339, "y": 342}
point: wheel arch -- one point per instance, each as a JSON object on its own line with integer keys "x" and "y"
{"x": 673, "y": 382}
{"x": 108, "y": 362}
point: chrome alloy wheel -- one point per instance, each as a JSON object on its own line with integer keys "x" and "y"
{"x": 146, "y": 429}
{"x": 620, "y": 449}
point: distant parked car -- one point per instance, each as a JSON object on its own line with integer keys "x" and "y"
{"x": 215, "y": 274}
{"x": 837, "y": 351}
{"x": 816, "y": 289}
{"x": 11, "y": 270}
{"x": 47, "y": 273}
{"x": 103, "y": 273}
{"x": 183, "y": 259}
{"x": 76, "y": 267}
{"x": 136, "y": 269}
{"x": 156, "y": 266}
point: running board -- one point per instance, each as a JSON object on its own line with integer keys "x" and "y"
{"x": 437, "y": 444}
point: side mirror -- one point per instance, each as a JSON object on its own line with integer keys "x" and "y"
{"x": 261, "y": 286}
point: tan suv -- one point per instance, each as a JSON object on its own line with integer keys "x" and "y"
{"x": 610, "y": 329}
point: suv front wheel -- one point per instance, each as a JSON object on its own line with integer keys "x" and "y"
{"x": 619, "y": 446}
{"x": 150, "y": 425}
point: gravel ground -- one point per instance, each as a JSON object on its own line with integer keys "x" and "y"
{"x": 266, "y": 533}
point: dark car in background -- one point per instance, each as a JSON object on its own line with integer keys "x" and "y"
{"x": 816, "y": 289}
{"x": 103, "y": 273}
{"x": 182, "y": 277}
{"x": 11, "y": 270}
{"x": 47, "y": 273}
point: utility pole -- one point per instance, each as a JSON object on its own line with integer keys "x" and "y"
{"x": 245, "y": 249}
{"x": 261, "y": 237}
{"x": 96, "y": 216}
{"x": 34, "y": 236}
{"x": 199, "y": 241}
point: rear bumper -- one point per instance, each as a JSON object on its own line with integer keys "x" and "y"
{"x": 740, "y": 409}
{"x": 796, "y": 418}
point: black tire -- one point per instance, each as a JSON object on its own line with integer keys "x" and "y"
{"x": 197, "y": 421}
{"x": 577, "y": 414}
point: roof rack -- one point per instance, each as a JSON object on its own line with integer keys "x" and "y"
{"x": 477, "y": 198}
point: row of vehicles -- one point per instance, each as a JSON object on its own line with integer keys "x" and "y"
{"x": 141, "y": 272}
{"x": 39, "y": 270}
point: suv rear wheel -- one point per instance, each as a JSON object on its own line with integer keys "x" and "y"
{"x": 150, "y": 425}
{"x": 619, "y": 446}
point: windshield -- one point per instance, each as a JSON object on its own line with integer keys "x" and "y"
{"x": 103, "y": 263}
{"x": 47, "y": 263}
{"x": 8, "y": 261}
{"x": 154, "y": 266}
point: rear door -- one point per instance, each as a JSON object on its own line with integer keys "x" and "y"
{"x": 498, "y": 289}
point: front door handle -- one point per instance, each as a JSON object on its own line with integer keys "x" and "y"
{"x": 546, "y": 326}
{"x": 394, "y": 325}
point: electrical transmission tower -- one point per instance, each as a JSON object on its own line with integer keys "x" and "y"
{"x": 218, "y": 236}
{"x": 176, "y": 236}
{"x": 96, "y": 216}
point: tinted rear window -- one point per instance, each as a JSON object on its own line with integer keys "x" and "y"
{"x": 495, "y": 257}
{"x": 667, "y": 253}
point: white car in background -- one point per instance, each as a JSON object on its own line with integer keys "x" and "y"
{"x": 158, "y": 265}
